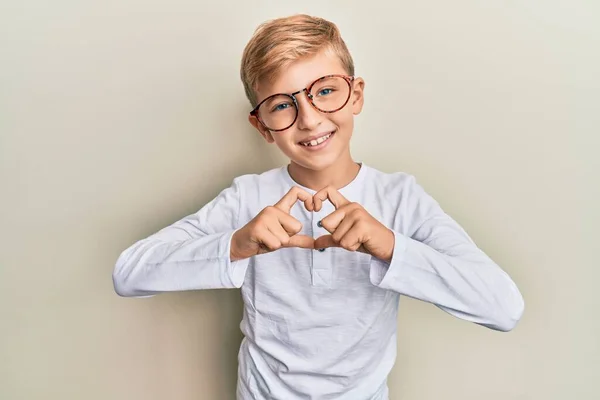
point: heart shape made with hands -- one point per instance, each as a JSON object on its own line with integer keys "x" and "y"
{"x": 344, "y": 224}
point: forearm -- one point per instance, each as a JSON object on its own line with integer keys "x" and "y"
{"x": 154, "y": 265}
{"x": 457, "y": 277}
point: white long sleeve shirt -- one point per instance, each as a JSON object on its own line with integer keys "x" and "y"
{"x": 322, "y": 324}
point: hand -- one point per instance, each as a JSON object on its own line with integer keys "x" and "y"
{"x": 352, "y": 227}
{"x": 273, "y": 228}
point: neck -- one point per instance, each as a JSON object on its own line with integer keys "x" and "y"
{"x": 338, "y": 175}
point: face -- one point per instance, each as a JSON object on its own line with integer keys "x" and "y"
{"x": 312, "y": 123}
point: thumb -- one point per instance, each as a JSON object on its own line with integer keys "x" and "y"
{"x": 325, "y": 241}
{"x": 302, "y": 241}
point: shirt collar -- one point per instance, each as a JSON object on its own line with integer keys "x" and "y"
{"x": 349, "y": 189}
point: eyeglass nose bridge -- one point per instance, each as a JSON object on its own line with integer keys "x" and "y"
{"x": 308, "y": 94}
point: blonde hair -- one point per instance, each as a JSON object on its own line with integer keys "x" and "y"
{"x": 279, "y": 42}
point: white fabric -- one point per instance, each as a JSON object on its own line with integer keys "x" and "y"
{"x": 322, "y": 325}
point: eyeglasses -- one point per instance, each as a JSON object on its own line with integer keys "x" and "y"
{"x": 328, "y": 94}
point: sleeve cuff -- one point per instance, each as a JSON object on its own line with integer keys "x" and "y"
{"x": 381, "y": 272}
{"x": 236, "y": 270}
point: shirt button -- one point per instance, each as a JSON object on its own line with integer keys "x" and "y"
{"x": 319, "y": 224}
{"x": 321, "y": 250}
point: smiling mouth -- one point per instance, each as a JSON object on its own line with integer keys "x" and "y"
{"x": 316, "y": 142}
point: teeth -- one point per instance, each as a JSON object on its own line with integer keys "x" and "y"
{"x": 316, "y": 141}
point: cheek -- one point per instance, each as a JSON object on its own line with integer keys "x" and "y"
{"x": 344, "y": 119}
{"x": 283, "y": 139}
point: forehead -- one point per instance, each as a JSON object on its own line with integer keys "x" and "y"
{"x": 300, "y": 74}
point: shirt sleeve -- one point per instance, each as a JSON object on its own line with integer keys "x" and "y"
{"x": 439, "y": 263}
{"x": 193, "y": 253}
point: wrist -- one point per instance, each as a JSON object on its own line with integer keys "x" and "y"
{"x": 233, "y": 255}
{"x": 392, "y": 245}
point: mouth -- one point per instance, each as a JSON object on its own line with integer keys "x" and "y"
{"x": 319, "y": 142}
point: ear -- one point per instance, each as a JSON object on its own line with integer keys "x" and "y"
{"x": 358, "y": 98}
{"x": 261, "y": 129}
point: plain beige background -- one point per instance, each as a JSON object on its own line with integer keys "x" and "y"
{"x": 119, "y": 117}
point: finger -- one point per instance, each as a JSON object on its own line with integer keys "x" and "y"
{"x": 342, "y": 229}
{"x": 268, "y": 242}
{"x": 329, "y": 193}
{"x": 347, "y": 236}
{"x": 325, "y": 241}
{"x": 291, "y": 225}
{"x": 333, "y": 220}
{"x": 309, "y": 204}
{"x": 352, "y": 239}
{"x": 286, "y": 229}
{"x": 282, "y": 236}
{"x": 295, "y": 193}
{"x": 349, "y": 241}
{"x": 302, "y": 241}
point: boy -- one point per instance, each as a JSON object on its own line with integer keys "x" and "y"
{"x": 320, "y": 278}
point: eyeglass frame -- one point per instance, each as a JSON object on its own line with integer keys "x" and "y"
{"x": 348, "y": 78}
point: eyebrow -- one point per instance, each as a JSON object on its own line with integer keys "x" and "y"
{"x": 298, "y": 91}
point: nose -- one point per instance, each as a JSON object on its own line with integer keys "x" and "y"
{"x": 308, "y": 117}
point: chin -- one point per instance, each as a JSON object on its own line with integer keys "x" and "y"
{"x": 316, "y": 163}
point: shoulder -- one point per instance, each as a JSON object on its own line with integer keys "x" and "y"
{"x": 254, "y": 181}
{"x": 257, "y": 189}
{"x": 402, "y": 200}
{"x": 400, "y": 189}
{"x": 396, "y": 184}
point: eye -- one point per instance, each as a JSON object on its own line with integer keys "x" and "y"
{"x": 325, "y": 92}
{"x": 280, "y": 107}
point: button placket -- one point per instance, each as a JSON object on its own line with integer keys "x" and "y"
{"x": 321, "y": 265}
